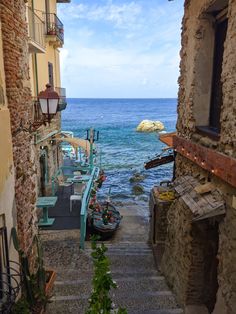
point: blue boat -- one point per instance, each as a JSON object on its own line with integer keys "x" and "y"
{"x": 104, "y": 222}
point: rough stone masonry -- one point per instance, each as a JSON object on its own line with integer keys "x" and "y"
{"x": 15, "y": 50}
{"x": 185, "y": 255}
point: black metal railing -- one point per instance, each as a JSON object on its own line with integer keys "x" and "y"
{"x": 62, "y": 101}
{"x": 10, "y": 276}
{"x": 61, "y": 91}
{"x": 36, "y": 28}
{"x": 54, "y": 26}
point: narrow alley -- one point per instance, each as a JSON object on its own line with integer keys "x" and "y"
{"x": 141, "y": 287}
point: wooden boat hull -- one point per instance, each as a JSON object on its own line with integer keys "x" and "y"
{"x": 105, "y": 230}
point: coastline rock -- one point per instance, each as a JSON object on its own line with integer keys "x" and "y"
{"x": 138, "y": 189}
{"x": 150, "y": 126}
{"x": 137, "y": 177}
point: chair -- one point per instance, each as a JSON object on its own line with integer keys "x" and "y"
{"x": 62, "y": 183}
{"x": 78, "y": 193}
{"x": 76, "y": 173}
{"x": 74, "y": 198}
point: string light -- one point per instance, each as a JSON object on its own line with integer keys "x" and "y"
{"x": 195, "y": 157}
{"x": 203, "y": 163}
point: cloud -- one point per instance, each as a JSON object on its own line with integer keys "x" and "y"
{"x": 121, "y": 71}
{"x": 121, "y": 48}
{"x": 122, "y": 16}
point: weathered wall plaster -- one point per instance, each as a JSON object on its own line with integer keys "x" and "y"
{"x": 193, "y": 110}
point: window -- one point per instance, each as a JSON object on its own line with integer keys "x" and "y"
{"x": 209, "y": 60}
{"x": 50, "y": 74}
{"x": 216, "y": 90}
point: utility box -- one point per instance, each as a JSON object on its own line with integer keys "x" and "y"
{"x": 158, "y": 212}
{"x": 158, "y": 220}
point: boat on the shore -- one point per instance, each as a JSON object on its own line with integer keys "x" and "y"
{"x": 104, "y": 220}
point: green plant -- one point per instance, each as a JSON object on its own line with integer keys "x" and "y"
{"x": 100, "y": 301}
{"x": 33, "y": 282}
{"x": 21, "y": 307}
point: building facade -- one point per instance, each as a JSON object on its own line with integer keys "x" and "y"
{"x": 46, "y": 36}
{"x": 200, "y": 254}
{"x": 7, "y": 181}
{"x": 29, "y": 59}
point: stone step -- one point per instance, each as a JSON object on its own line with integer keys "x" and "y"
{"x": 126, "y": 247}
{"x": 127, "y": 261}
{"x": 164, "y": 311}
{"x": 68, "y": 274}
{"x": 120, "y": 295}
{"x": 124, "y": 252}
{"x": 145, "y": 303}
{"x": 80, "y": 307}
{"x": 119, "y": 279}
{"x": 136, "y": 285}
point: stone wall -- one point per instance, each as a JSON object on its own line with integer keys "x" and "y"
{"x": 176, "y": 260}
{"x": 195, "y": 82}
{"x": 193, "y": 110}
{"x": 15, "y": 50}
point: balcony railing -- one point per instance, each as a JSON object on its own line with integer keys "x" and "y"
{"x": 61, "y": 91}
{"x": 10, "y": 277}
{"x": 54, "y": 26}
{"x": 62, "y": 101}
{"x": 36, "y": 29}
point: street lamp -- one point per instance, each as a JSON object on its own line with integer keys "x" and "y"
{"x": 48, "y": 100}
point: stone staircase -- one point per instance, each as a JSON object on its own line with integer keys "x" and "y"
{"x": 141, "y": 288}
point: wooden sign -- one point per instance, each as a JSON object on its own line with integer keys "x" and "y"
{"x": 211, "y": 160}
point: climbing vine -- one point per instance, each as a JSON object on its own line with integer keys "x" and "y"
{"x": 100, "y": 301}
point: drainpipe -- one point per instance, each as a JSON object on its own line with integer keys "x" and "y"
{"x": 36, "y": 74}
{"x": 35, "y": 64}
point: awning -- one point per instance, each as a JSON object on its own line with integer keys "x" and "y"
{"x": 204, "y": 200}
{"x": 76, "y": 142}
{"x": 167, "y": 138}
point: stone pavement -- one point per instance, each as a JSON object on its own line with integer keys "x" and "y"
{"x": 141, "y": 288}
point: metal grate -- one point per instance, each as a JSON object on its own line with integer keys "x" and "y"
{"x": 10, "y": 277}
{"x": 36, "y": 28}
{"x": 54, "y": 26}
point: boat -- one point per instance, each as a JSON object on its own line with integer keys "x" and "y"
{"x": 104, "y": 221}
{"x": 164, "y": 158}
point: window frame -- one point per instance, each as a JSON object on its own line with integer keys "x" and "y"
{"x": 210, "y": 130}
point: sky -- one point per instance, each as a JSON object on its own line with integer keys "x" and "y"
{"x": 121, "y": 48}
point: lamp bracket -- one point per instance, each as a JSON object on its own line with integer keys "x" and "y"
{"x": 30, "y": 128}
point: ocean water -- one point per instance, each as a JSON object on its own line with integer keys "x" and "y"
{"x": 123, "y": 150}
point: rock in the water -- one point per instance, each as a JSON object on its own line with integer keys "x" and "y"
{"x": 137, "y": 177}
{"x": 138, "y": 189}
{"x": 150, "y": 126}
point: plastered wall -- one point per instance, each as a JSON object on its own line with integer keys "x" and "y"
{"x": 193, "y": 110}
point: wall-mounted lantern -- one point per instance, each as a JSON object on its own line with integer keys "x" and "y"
{"x": 48, "y": 100}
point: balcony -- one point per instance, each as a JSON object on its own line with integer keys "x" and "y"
{"x": 54, "y": 30}
{"x": 36, "y": 32}
{"x": 62, "y": 101}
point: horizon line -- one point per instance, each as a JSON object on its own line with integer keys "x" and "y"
{"x": 122, "y": 97}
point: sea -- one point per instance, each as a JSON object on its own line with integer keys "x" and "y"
{"x": 123, "y": 150}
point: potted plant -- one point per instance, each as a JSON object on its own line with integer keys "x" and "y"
{"x": 37, "y": 284}
{"x": 51, "y": 31}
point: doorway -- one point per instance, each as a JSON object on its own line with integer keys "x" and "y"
{"x": 203, "y": 282}
{"x": 43, "y": 173}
